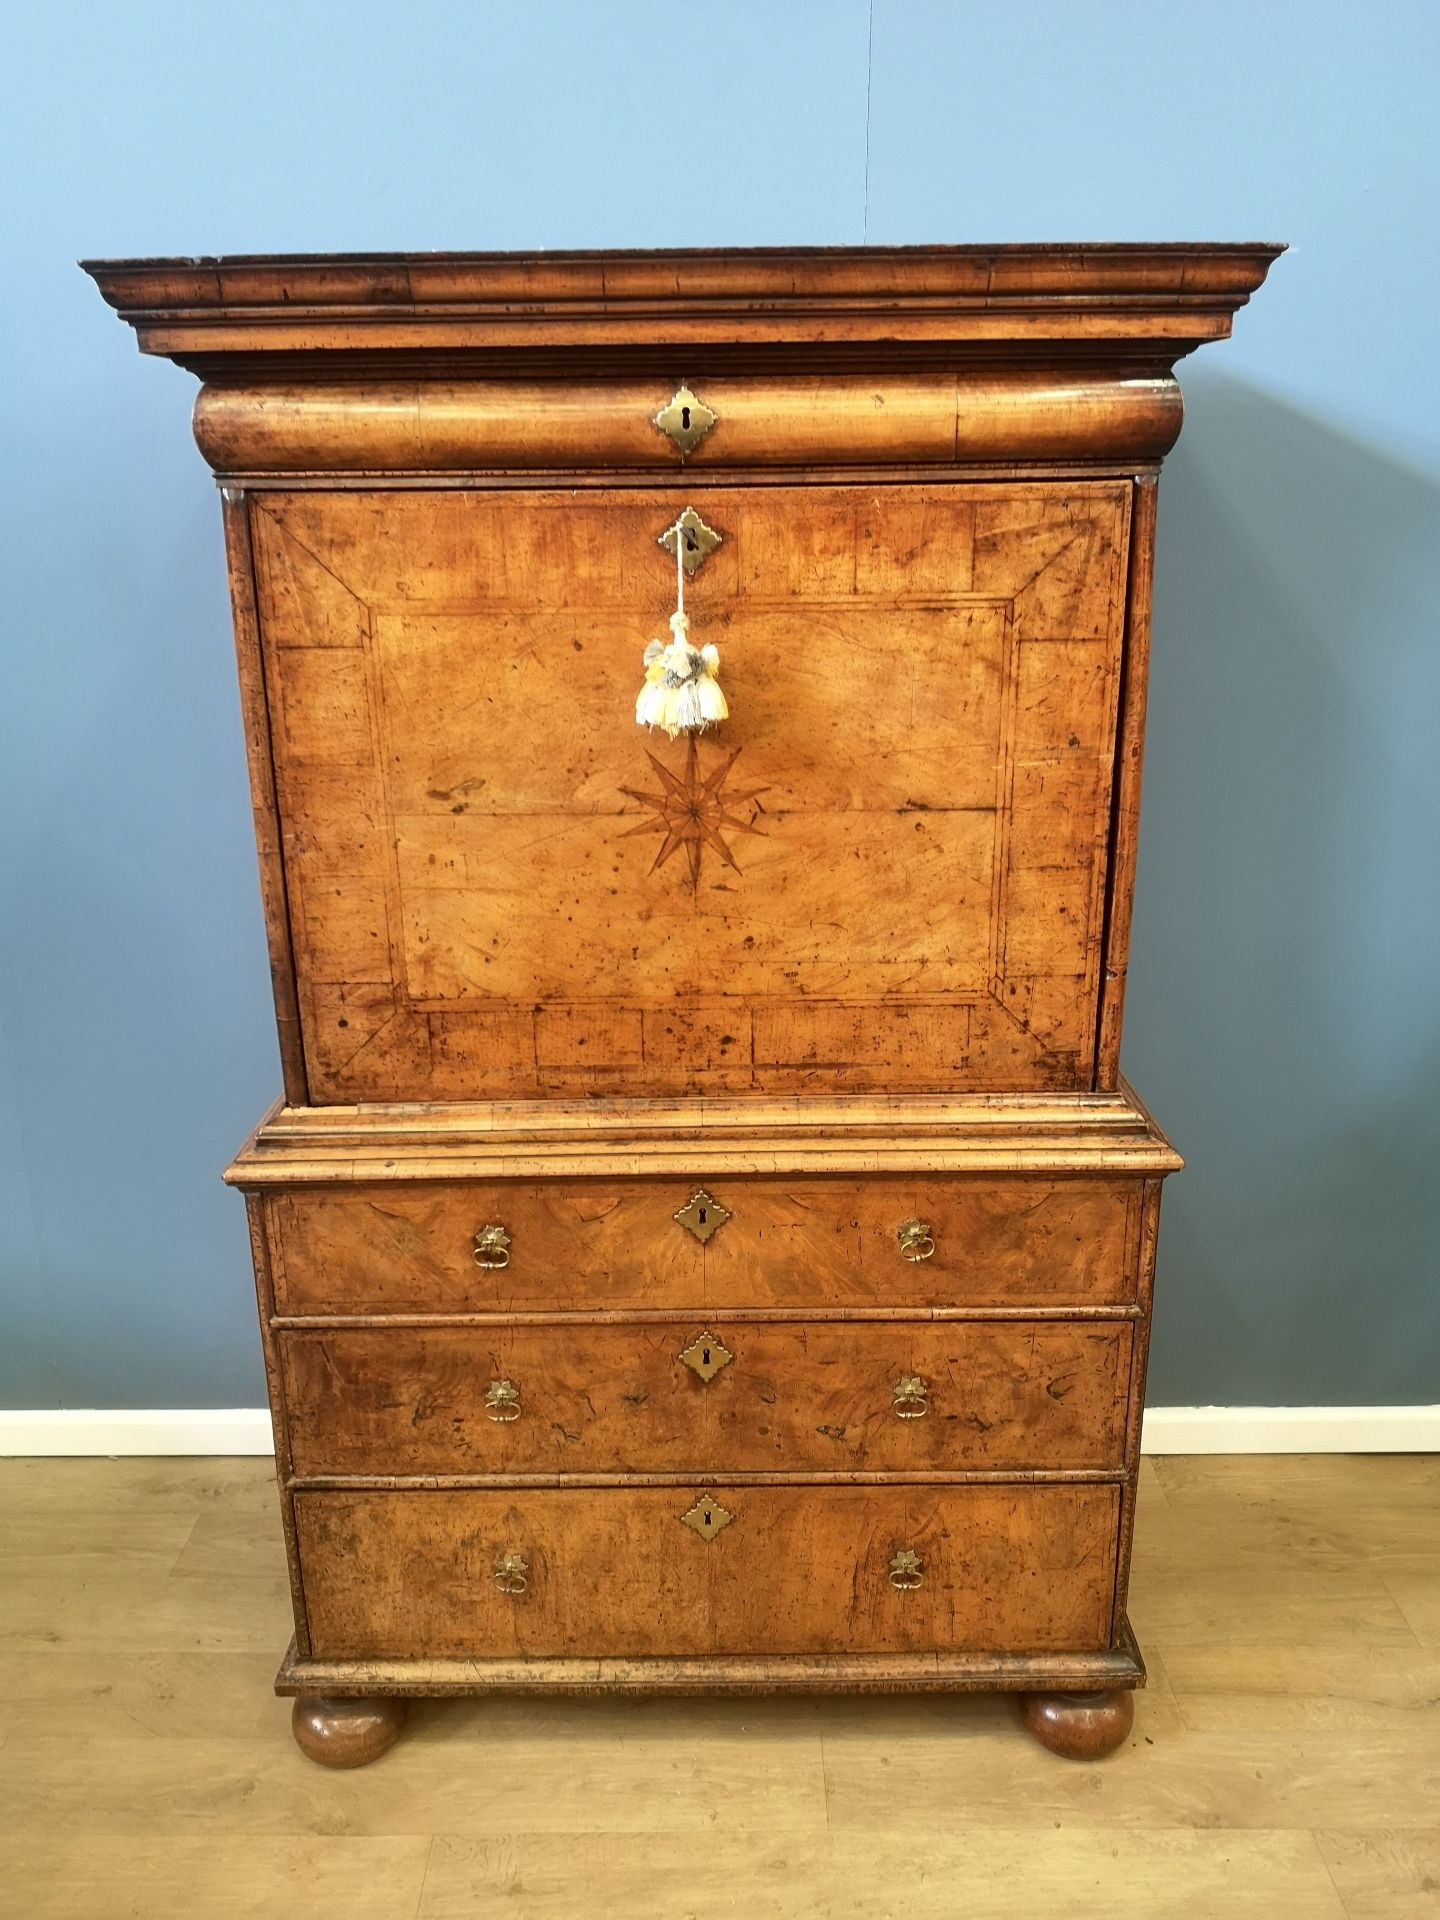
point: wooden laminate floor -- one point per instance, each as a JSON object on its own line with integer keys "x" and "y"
{"x": 1285, "y": 1761}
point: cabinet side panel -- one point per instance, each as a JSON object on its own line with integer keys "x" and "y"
{"x": 240, "y": 565}
{"x": 1139, "y": 1358}
{"x": 279, "y": 1413}
{"x": 1129, "y": 765}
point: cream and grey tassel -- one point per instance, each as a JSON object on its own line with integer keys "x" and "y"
{"x": 682, "y": 690}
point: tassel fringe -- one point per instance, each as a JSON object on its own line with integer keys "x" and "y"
{"x": 682, "y": 691}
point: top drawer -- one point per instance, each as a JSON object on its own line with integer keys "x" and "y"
{"x": 799, "y": 1243}
{"x": 885, "y": 871}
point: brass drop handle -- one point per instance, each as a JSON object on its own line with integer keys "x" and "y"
{"x": 503, "y": 1402}
{"x": 907, "y": 1570}
{"x": 916, "y": 1240}
{"x": 492, "y": 1247}
{"x": 512, "y": 1573}
{"x": 910, "y": 1397}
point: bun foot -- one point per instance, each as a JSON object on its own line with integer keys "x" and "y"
{"x": 1079, "y": 1726}
{"x": 346, "y": 1733}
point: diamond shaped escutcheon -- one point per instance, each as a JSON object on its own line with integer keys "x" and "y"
{"x": 707, "y": 1518}
{"x": 686, "y": 419}
{"x": 706, "y": 1355}
{"x": 702, "y": 1215}
{"x": 696, "y": 541}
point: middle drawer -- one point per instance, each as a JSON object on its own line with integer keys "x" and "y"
{"x": 724, "y": 1397}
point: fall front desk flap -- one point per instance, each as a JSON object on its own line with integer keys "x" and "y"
{"x": 857, "y": 841}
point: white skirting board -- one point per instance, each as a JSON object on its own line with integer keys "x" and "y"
{"x": 148, "y": 1431}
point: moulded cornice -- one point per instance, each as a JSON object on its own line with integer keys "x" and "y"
{"x": 882, "y": 306}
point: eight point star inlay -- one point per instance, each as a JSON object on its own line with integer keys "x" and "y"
{"x": 690, "y": 812}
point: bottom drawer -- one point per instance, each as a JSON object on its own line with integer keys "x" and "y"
{"x": 777, "y": 1569}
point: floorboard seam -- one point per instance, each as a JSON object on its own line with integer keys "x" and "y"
{"x": 424, "y": 1878}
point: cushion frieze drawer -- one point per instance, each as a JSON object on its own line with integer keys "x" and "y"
{"x": 677, "y": 1570}
{"x": 764, "y": 1242}
{"x": 739, "y": 1397}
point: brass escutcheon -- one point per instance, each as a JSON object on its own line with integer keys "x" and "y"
{"x": 512, "y": 1573}
{"x": 707, "y": 1517}
{"x": 916, "y": 1240}
{"x": 706, "y": 1355}
{"x": 695, "y": 540}
{"x": 910, "y": 1397}
{"x": 502, "y": 1401}
{"x": 907, "y": 1570}
{"x": 685, "y": 419}
{"x": 702, "y": 1215}
{"x": 492, "y": 1247}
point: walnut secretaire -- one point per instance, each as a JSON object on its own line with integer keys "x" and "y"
{"x": 705, "y": 1242}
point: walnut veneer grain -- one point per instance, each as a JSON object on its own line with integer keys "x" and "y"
{"x": 795, "y": 1569}
{"x": 914, "y": 896}
{"x": 789, "y": 1243}
{"x": 794, "y": 1397}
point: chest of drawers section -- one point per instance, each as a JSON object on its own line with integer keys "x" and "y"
{"x": 628, "y": 1418}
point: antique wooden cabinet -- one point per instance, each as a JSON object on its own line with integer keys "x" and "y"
{"x": 705, "y": 1241}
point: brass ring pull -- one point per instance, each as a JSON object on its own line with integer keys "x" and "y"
{"x": 512, "y": 1573}
{"x": 492, "y": 1247}
{"x": 910, "y": 1397}
{"x": 503, "y": 1402}
{"x": 916, "y": 1240}
{"x": 907, "y": 1570}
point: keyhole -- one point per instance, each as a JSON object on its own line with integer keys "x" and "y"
{"x": 685, "y": 418}
{"x": 709, "y": 1519}
{"x": 703, "y": 1215}
{"x": 690, "y": 543}
{"x": 705, "y": 1357}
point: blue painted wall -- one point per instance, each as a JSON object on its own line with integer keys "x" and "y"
{"x": 1285, "y": 1006}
